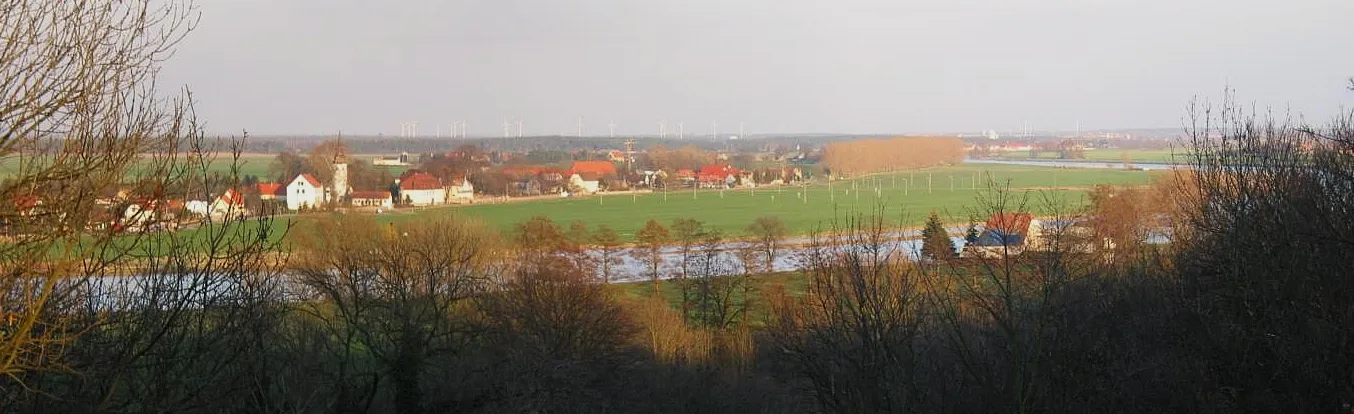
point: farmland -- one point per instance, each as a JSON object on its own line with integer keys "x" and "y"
{"x": 732, "y": 210}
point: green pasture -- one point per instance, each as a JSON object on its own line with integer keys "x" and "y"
{"x": 904, "y": 198}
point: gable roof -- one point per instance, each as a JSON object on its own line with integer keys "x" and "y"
{"x": 420, "y": 181}
{"x": 1014, "y": 223}
{"x": 309, "y": 179}
{"x": 599, "y": 167}
{"x": 588, "y": 176}
{"x": 272, "y": 188}
{"x": 232, "y": 197}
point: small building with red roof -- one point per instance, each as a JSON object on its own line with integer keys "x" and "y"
{"x": 421, "y": 189}
{"x": 717, "y": 175}
{"x": 272, "y": 191}
{"x": 229, "y": 205}
{"x": 379, "y": 199}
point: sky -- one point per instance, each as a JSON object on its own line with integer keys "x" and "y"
{"x": 275, "y": 67}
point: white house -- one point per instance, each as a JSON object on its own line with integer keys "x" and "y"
{"x": 421, "y": 189}
{"x": 230, "y": 205}
{"x": 304, "y": 191}
{"x": 461, "y": 191}
{"x": 589, "y": 182}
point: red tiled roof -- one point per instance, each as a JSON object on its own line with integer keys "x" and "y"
{"x": 589, "y": 176}
{"x": 310, "y": 179}
{"x": 1010, "y": 223}
{"x": 686, "y": 173}
{"x": 720, "y": 170}
{"x": 369, "y": 195}
{"x": 599, "y": 167}
{"x": 420, "y": 181}
{"x": 232, "y": 197}
{"x": 273, "y": 189}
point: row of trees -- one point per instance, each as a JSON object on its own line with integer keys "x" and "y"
{"x": 877, "y": 155}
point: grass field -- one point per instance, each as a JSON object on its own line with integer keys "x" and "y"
{"x": 1165, "y": 156}
{"x": 731, "y": 211}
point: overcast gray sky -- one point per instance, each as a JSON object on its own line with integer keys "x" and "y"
{"x": 863, "y": 66}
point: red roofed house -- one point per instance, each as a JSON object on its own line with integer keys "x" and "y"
{"x": 380, "y": 199}
{"x": 587, "y": 181}
{"x": 272, "y": 191}
{"x": 602, "y": 168}
{"x": 616, "y": 156}
{"x": 1003, "y": 234}
{"x": 304, "y": 191}
{"x": 421, "y": 189}
{"x": 717, "y": 175}
{"x": 229, "y": 205}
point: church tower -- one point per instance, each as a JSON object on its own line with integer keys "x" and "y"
{"x": 341, "y": 172}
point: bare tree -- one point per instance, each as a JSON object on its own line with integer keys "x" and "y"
{"x": 390, "y": 293}
{"x": 767, "y": 232}
{"x": 81, "y": 115}
{"x": 854, "y": 335}
{"x": 608, "y": 243}
{"x": 652, "y": 238}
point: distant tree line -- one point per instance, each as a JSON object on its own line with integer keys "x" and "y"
{"x": 878, "y": 155}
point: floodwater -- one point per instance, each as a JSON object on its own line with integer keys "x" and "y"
{"x": 1079, "y": 164}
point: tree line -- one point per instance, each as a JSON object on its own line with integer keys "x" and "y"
{"x": 879, "y": 155}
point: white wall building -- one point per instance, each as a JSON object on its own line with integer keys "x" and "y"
{"x": 462, "y": 192}
{"x": 422, "y": 189}
{"x": 304, "y": 191}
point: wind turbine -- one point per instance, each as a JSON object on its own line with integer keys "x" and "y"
{"x": 519, "y": 127}
{"x": 612, "y": 125}
{"x": 740, "y": 129}
{"x": 506, "y": 127}
{"x": 662, "y": 129}
{"x": 714, "y": 130}
{"x": 681, "y": 130}
{"x": 580, "y": 127}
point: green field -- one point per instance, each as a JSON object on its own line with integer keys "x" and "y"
{"x": 732, "y": 210}
{"x": 1164, "y": 156}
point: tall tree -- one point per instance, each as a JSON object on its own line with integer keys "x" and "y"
{"x": 652, "y": 238}
{"x": 936, "y": 242}
{"x": 768, "y": 231}
{"x": 607, "y": 241}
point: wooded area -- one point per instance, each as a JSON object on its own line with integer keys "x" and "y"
{"x": 894, "y": 154}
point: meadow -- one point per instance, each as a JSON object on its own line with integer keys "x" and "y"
{"x": 903, "y": 197}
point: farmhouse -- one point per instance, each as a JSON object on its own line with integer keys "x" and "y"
{"x": 1003, "y": 234}
{"x": 587, "y": 182}
{"x": 601, "y": 168}
{"x": 717, "y": 176}
{"x": 230, "y": 205}
{"x": 380, "y": 199}
{"x": 304, "y": 192}
{"x": 272, "y": 191}
{"x": 461, "y": 191}
{"x": 418, "y": 188}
